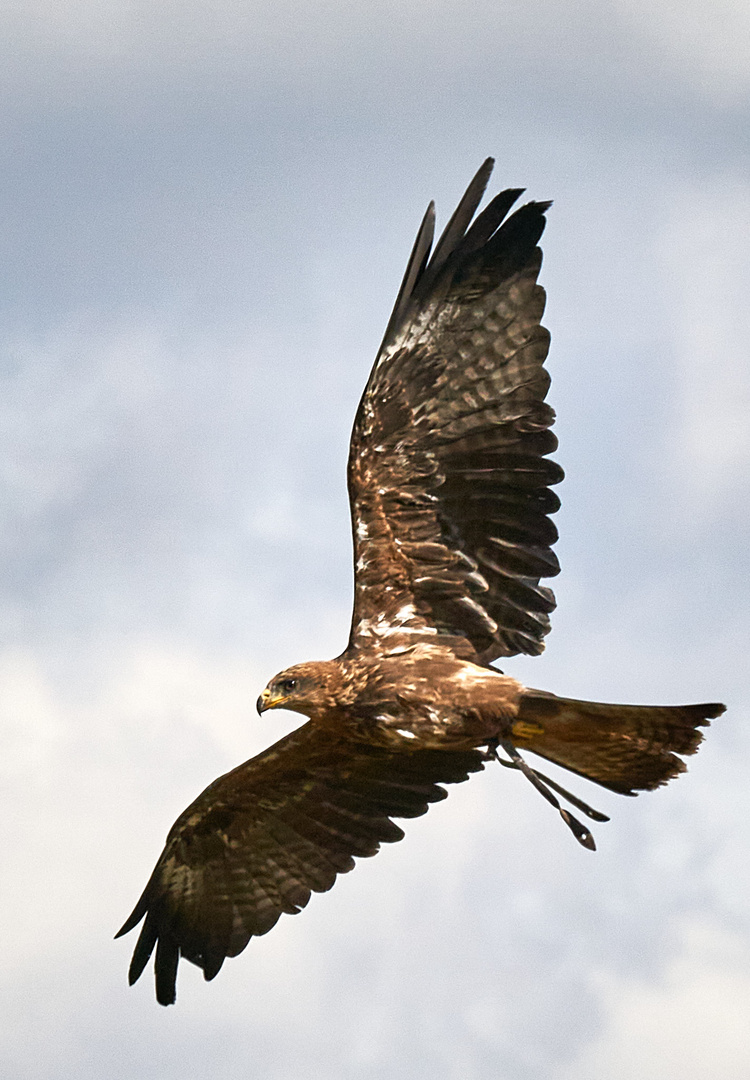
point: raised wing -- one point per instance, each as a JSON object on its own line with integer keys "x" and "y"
{"x": 449, "y": 481}
{"x": 262, "y": 838}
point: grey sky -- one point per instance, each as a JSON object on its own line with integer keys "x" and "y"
{"x": 205, "y": 213}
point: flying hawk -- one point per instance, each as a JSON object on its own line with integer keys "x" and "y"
{"x": 449, "y": 483}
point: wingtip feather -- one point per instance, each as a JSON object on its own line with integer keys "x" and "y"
{"x": 143, "y": 949}
{"x": 165, "y": 966}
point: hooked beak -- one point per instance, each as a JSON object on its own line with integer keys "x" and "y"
{"x": 267, "y": 701}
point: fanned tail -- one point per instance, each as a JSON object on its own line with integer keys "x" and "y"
{"x": 625, "y": 748}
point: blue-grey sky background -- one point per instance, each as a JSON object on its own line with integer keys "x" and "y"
{"x": 205, "y": 214}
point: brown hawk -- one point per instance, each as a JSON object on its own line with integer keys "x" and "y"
{"x": 450, "y": 489}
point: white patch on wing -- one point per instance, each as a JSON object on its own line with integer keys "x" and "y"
{"x": 405, "y": 733}
{"x": 467, "y": 674}
{"x": 383, "y": 626}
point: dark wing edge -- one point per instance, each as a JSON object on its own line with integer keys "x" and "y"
{"x": 260, "y": 839}
{"x": 456, "y": 239}
{"x": 449, "y": 475}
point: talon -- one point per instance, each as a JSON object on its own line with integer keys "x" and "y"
{"x": 581, "y": 833}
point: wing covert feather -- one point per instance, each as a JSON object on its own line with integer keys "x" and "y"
{"x": 260, "y": 839}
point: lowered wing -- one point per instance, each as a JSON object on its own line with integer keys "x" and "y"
{"x": 262, "y": 838}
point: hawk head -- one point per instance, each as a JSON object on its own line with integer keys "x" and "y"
{"x": 304, "y": 688}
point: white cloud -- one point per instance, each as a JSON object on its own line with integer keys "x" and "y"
{"x": 689, "y": 1024}
{"x": 70, "y": 399}
{"x": 701, "y": 42}
{"x": 705, "y": 40}
{"x": 32, "y": 727}
{"x": 706, "y": 269}
{"x": 93, "y": 746}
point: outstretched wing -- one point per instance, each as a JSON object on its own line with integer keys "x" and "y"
{"x": 260, "y": 839}
{"x": 449, "y": 481}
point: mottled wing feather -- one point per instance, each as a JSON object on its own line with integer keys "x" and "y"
{"x": 449, "y": 478}
{"x": 259, "y": 840}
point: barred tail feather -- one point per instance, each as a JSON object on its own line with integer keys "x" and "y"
{"x": 622, "y": 747}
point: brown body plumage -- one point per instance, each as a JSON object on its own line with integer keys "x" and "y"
{"x": 449, "y": 483}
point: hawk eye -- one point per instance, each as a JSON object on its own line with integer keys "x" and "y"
{"x": 287, "y": 685}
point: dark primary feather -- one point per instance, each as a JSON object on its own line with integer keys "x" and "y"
{"x": 259, "y": 840}
{"x": 449, "y": 478}
{"x": 451, "y": 235}
{"x": 414, "y": 269}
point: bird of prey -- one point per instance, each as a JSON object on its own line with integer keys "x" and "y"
{"x": 450, "y": 488}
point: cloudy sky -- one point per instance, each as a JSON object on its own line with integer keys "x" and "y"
{"x": 205, "y": 211}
